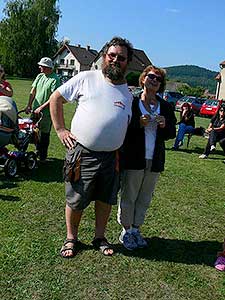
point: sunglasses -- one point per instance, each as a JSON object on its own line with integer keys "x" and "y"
{"x": 119, "y": 57}
{"x": 156, "y": 77}
{"x": 1, "y": 71}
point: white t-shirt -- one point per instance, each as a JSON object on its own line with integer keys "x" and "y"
{"x": 150, "y": 131}
{"x": 103, "y": 111}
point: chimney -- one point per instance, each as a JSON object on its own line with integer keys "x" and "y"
{"x": 78, "y": 45}
{"x": 88, "y": 47}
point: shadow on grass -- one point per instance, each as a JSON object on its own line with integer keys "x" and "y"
{"x": 9, "y": 198}
{"x": 197, "y": 150}
{"x": 50, "y": 171}
{"x": 178, "y": 251}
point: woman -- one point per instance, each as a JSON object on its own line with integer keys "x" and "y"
{"x": 186, "y": 124}
{"x": 5, "y": 86}
{"x": 216, "y": 131}
{"x": 143, "y": 154}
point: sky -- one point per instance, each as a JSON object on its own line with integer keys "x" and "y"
{"x": 171, "y": 32}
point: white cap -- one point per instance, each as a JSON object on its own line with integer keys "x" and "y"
{"x": 46, "y": 62}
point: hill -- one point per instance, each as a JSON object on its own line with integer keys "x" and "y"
{"x": 193, "y": 75}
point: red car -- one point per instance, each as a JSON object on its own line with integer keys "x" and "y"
{"x": 210, "y": 107}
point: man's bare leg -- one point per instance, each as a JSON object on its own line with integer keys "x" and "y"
{"x": 72, "y": 224}
{"x": 102, "y": 213}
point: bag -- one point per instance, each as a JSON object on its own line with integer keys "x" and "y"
{"x": 199, "y": 131}
{"x": 71, "y": 168}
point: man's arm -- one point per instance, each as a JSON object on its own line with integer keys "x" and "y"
{"x": 31, "y": 99}
{"x": 56, "y": 109}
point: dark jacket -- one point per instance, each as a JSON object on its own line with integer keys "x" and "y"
{"x": 133, "y": 150}
{"x": 188, "y": 119}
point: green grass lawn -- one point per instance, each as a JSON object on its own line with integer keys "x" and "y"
{"x": 184, "y": 227}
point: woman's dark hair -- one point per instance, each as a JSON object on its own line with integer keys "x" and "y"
{"x": 186, "y": 104}
{"x": 118, "y": 41}
{"x": 157, "y": 70}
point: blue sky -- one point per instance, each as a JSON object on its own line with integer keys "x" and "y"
{"x": 171, "y": 32}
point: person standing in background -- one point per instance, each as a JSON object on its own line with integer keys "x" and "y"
{"x": 43, "y": 86}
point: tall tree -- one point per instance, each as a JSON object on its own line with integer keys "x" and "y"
{"x": 27, "y": 33}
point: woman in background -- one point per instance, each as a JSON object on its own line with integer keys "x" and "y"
{"x": 216, "y": 131}
{"x": 186, "y": 124}
{"x": 5, "y": 86}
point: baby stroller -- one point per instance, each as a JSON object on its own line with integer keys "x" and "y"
{"x": 19, "y": 132}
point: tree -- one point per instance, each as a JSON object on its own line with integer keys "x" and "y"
{"x": 191, "y": 91}
{"x": 133, "y": 78}
{"x": 27, "y": 33}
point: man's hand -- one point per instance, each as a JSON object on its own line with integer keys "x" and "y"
{"x": 38, "y": 110}
{"x": 66, "y": 138}
{"x": 28, "y": 109}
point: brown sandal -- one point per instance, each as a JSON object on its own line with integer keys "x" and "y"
{"x": 102, "y": 245}
{"x": 74, "y": 249}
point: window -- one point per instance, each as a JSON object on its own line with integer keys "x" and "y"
{"x": 61, "y": 61}
{"x": 72, "y": 62}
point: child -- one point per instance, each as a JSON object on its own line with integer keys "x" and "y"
{"x": 220, "y": 262}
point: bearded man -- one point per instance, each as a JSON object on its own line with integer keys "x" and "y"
{"x": 98, "y": 129}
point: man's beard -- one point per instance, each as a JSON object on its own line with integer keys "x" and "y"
{"x": 113, "y": 71}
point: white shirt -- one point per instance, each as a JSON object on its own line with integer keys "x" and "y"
{"x": 103, "y": 112}
{"x": 150, "y": 130}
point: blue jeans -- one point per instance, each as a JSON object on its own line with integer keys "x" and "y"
{"x": 183, "y": 129}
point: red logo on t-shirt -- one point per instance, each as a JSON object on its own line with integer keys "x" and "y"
{"x": 119, "y": 104}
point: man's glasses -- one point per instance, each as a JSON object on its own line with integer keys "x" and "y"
{"x": 119, "y": 57}
{"x": 1, "y": 71}
{"x": 156, "y": 77}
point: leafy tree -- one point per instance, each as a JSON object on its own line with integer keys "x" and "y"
{"x": 191, "y": 91}
{"x": 27, "y": 33}
{"x": 133, "y": 78}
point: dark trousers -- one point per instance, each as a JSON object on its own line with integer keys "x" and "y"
{"x": 215, "y": 137}
{"x": 42, "y": 145}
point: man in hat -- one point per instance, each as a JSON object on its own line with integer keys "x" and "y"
{"x": 43, "y": 86}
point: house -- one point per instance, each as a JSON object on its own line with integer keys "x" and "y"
{"x": 220, "y": 89}
{"x": 70, "y": 60}
{"x": 139, "y": 61}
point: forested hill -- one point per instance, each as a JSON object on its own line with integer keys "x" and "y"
{"x": 193, "y": 75}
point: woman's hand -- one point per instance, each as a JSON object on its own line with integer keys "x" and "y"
{"x": 161, "y": 121}
{"x": 144, "y": 120}
{"x": 66, "y": 137}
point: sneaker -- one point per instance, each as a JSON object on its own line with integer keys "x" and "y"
{"x": 220, "y": 263}
{"x": 180, "y": 144}
{"x": 203, "y": 156}
{"x": 212, "y": 148}
{"x": 140, "y": 241}
{"x": 128, "y": 241}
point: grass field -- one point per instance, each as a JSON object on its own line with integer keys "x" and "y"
{"x": 184, "y": 227}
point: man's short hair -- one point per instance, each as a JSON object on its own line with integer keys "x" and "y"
{"x": 118, "y": 41}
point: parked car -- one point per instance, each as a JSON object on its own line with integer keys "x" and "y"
{"x": 172, "y": 97}
{"x": 210, "y": 107}
{"x": 135, "y": 90}
{"x": 195, "y": 102}
{"x": 184, "y": 99}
